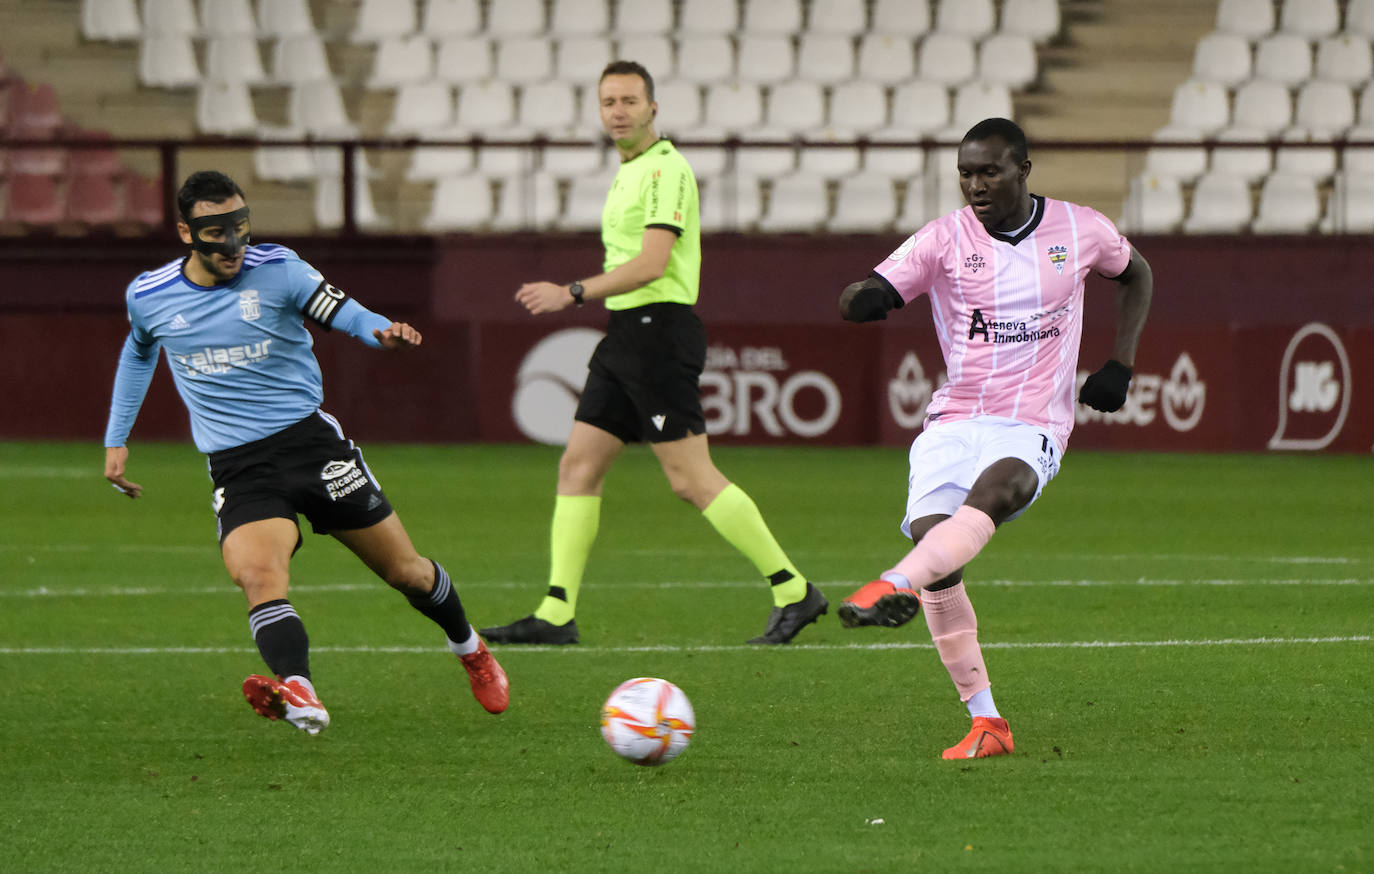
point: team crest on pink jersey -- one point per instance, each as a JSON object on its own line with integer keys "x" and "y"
{"x": 1058, "y": 255}
{"x": 973, "y": 262}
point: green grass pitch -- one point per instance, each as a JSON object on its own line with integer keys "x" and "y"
{"x": 1180, "y": 642}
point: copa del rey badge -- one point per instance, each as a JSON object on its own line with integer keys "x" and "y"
{"x": 1058, "y": 255}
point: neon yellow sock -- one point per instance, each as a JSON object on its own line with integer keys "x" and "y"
{"x": 734, "y": 514}
{"x": 576, "y": 519}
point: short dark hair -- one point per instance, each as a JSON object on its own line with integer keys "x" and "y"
{"x": 1004, "y": 129}
{"x": 630, "y": 68}
{"x": 210, "y": 185}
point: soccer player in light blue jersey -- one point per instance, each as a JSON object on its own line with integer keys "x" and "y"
{"x": 231, "y": 317}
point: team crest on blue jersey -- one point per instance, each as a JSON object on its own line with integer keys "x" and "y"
{"x": 1058, "y": 255}
{"x": 248, "y": 305}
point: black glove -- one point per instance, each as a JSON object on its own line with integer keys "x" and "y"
{"x": 1105, "y": 391}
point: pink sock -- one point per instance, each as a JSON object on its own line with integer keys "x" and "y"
{"x": 947, "y": 547}
{"x": 954, "y": 628}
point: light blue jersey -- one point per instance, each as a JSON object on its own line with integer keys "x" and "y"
{"x": 240, "y": 353}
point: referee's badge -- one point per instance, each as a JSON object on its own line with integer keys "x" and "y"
{"x": 248, "y": 305}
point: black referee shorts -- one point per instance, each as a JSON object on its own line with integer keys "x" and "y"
{"x": 308, "y": 468}
{"x": 644, "y": 383}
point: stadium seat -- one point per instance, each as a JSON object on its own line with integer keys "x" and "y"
{"x": 234, "y": 59}
{"x": 1359, "y": 160}
{"x": 654, "y": 50}
{"x": 1154, "y": 205}
{"x": 170, "y": 18}
{"x": 1284, "y": 58}
{"x": 1365, "y": 111}
{"x": 1009, "y": 60}
{"x": 766, "y": 58}
{"x": 795, "y": 106}
{"x": 581, "y": 58}
{"x": 1359, "y": 18}
{"x": 225, "y": 108}
{"x": 679, "y": 106}
{"x": 445, "y": 18}
{"x": 587, "y": 127}
{"x": 977, "y": 100}
{"x": 920, "y": 108}
{"x": 329, "y": 206}
{"x": 1345, "y": 58}
{"x": 100, "y": 160}
{"x": 1311, "y": 19}
{"x": 1184, "y": 163}
{"x": 143, "y": 201}
{"x": 886, "y": 59}
{"x": 548, "y": 109}
{"x": 974, "y": 19}
{"x": 1287, "y": 205}
{"x": 33, "y": 199}
{"x": 528, "y": 200}
{"x": 730, "y": 203}
{"x": 1263, "y": 106}
{"x": 37, "y": 160}
{"x": 34, "y": 112}
{"x": 402, "y": 60}
{"x": 780, "y": 17}
{"x": 716, "y": 17}
{"x": 857, "y": 108}
{"x": 283, "y": 18}
{"x": 948, "y": 59}
{"x": 167, "y": 61}
{"x": 917, "y": 205}
{"x": 515, "y": 18}
{"x": 1251, "y": 19}
{"x": 484, "y": 108}
{"x": 826, "y": 58}
{"x": 524, "y": 59}
{"x": 1199, "y": 107}
{"x": 705, "y": 59}
{"x": 94, "y": 199}
{"x": 644, "y": 17}
{"x": 1224, "y": 58}
{"x": 421, "y": 106}
{"x": 901, "y": 17}
{"x": 282, "y": 163}
{"x": 1350, "y": 208}
{"x": 299, "y": 59}
{"x": 1037, "y": 19}
{"x": 579, "y": 18}
{"x": 586, "y": 199}
{"x": 318, "y": 109}
{"x": 1221, "y": 205}
{"x": 942, "y": 181}
{"x": 707, "y": 162}
{"x": 843, "y": 17}
{"x": 221, "y": 18}
{"x": 432, "y": 163}
{"x": 1251, "y": 163}
{"x": 829, "y": 152}
{"x": 1325, "y": 108}
{"x": 771, "y": 153}
{"x": 1317, "y": 161}
{"x": 797, "y": 203}
{"x": 895, "y": 162}
{"x": 463, "y": 59}
{"x": 110, "y": 20}
{"x": 733, "y": 108}
{"x": 460, "y": 203}
{"x": 864, "y": 202}
{"x": 570, "y": 161}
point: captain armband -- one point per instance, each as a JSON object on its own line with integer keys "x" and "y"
{"x": 324, "y": 304}
{"x": 872, "y": 303}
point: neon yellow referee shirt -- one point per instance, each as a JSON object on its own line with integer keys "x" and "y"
{"x": 654, "y": 189}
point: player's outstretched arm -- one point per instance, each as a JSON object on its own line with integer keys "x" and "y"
{"x": 398, "y": 335}
{"x": 116, "y": 458}
{"x": 1106, "y": 390}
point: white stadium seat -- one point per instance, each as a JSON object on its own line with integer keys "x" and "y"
{"x": 782, "y": 17}
{"x": 1251, "y": 19}
{"x": 844, "y": 17}
{"x": 826, "y": 58}
{"x": 798, "y": 202}
{"x": 1221, "y": 205}
{"x": 1200, "y": 107}
{"x": 644, "y": 16}
{"x": 225, "y": 108}
{"x": 300, "y": 58}
{"x": 1038, "y": 19}
{"x": 1345, "y": 58}
{"x": 111, "y": 20}
{"x": 1312, "y": 19}
{"x": 974, "y": 19}
{"x": 1287, "y": 205}
{"x": 705, "y": 58}
{"x": 1285, "y": 58}
{"x": 902, "y": 17}
{"x": 460, "y": 203}
{"x": 579, "y": 18}
{"x": 381, "y": 19}
{"x": 1182, "y": 162}
{"x": 464, "y": 59}
{"x": 168, "y": 61}
{"x": 863, "y": 202}
{"x": 717, "y": 17}
{"x": 515, "y": 18}
{"x": 524, "y": 59}
{"x": 766, "y": 58}
{"x": 219, "y": 18}
{"x": 1350, "y": 208}
{"x": 1222, "y": 57}
{"x": 1154, "y": 205}
{"x": 420, "y": 107}
{"x": 234, "y": 59}
{"x": 279, "y": 18}
{"x": 445, "y": 18}
{"x": 948, "y": 59}
{"x": 1264, "y": 106}
{"x": 1251, "y": 163}
{"x": 401, "y": 60}
{"x": 1325, "y": 108}
{"x": 1007, "y": 59}
{"x": 886, "y": 58}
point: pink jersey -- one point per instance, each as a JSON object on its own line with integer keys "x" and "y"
{"x": 1008, "y": 310}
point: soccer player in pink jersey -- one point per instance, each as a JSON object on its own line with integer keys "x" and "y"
{"x": 1005, "y": 277}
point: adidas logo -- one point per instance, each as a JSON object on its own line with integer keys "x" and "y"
{"x": 658, "y": 420}
{"x": 179, "y": 323}
{"x": 374, "y": 502}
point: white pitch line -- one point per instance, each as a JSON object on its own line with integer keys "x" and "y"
{"x": 671, "y": 648}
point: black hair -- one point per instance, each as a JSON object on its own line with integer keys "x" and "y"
{"x": 210, "y": 185}
{"x": 1004, "y": 129}
{"x": 630, "y": 68}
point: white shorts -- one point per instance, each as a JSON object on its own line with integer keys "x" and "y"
{"x": 947, "y": 459}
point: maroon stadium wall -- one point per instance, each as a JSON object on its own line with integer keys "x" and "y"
{"x": 1252, "y": 345}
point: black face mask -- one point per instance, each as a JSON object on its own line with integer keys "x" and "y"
{"x": 228, "y": 222}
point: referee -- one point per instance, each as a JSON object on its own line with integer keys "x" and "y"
{"x": 231, "y": 317}
{"x": 643, "y": 380}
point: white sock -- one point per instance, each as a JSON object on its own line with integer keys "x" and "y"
{"x": 981, "y": 705}
{"x": 897, "y": 580}
{"x": 467, "y": 647}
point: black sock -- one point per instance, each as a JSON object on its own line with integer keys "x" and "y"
{"x": 281, "y": 638}
{"x": 443, "y": 606}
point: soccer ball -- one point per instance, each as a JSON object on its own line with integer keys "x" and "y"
{"x": 647, "y": 721}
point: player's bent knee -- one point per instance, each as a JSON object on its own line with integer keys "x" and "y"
{"x": 413, "y": 575}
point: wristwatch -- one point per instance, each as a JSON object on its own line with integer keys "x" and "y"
{"x": 577, "y": 291}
